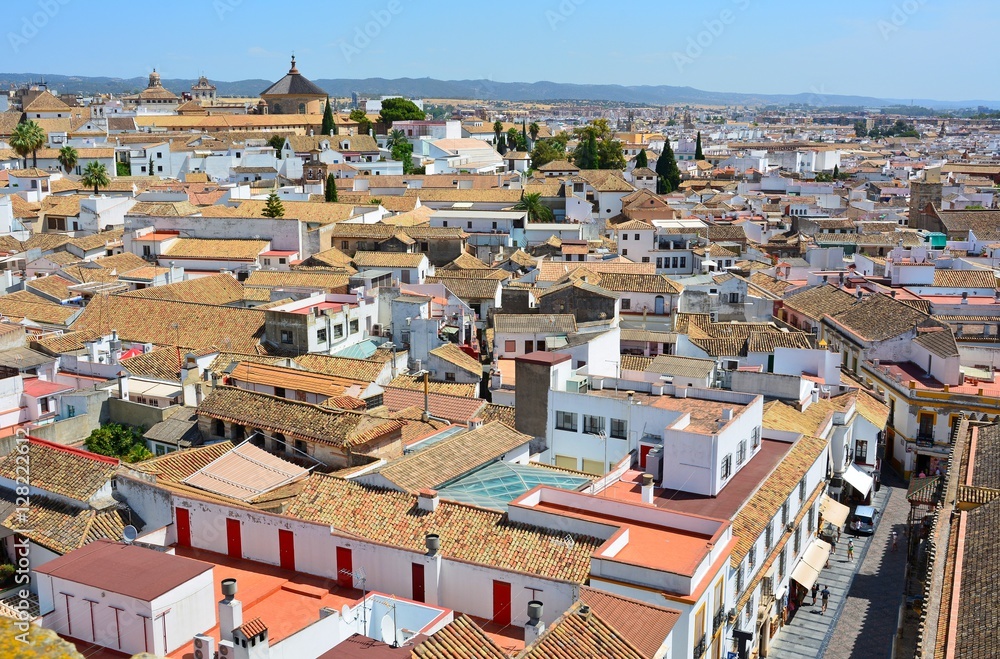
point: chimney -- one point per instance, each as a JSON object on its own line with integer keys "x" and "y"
{"x": 230, "y": 609}
{"x": 428, "y": 500}
{"x": 727, "y": 414}
{"x": 534, "y": 627}
{"x": 647, "y": 488}
{"x": 433, "y": 543}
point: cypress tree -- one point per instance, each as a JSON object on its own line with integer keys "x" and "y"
{"x": 698, "y": 155}
{"x": 669, "y": 174}
{"x": 328, "y": 125}
{"x": 641, "y": 160}
{"x": 331, "y": 188}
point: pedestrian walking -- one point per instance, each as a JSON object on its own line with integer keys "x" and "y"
{"x": 838, "y": 534}
{"x": 895, "y": 540}
{"x": 815, "y": 591}
{"x": 850, "y": 550}
{"x": 825, "y": 596}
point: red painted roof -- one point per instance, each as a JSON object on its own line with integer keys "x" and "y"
{"x": 38, "y": 388}
{"x": 544, "y": 358}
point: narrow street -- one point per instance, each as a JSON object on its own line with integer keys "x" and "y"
{"x": 860, "y": 621}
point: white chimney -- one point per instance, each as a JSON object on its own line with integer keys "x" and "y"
{"x": 647, "y": 488}
{"x": 428, "y": 500}
{"x": 230, "y": 609}
{"x": 534, "y": 627}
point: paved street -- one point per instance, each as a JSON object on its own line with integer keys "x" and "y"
{"x": 861, "y": 618}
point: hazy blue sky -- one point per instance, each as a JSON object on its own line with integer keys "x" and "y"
{"x": 886, "y": 48}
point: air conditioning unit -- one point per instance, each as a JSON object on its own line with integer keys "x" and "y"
{"x": 203, "y": 647}
{"x": 227, "y": 650}
{"x": 654, "y": 462}
{"x": 577, "y": 384}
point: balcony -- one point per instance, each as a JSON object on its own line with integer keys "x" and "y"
{"x": 925, "y": 439}
{"x": 719, "y": 620}
{"x": 700, "y": 648}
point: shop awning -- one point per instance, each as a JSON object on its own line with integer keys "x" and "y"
{"x": 858, "y": 479}
{"x": 812, "y": 562}
{"x": 833, "y": 511}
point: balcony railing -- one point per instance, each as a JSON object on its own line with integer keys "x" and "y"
{"x": 719, "y": 620}
{"x": 925, "y": 439}
{"x": 700, "y": 647}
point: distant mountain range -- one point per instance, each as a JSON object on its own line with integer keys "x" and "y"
{"x": 489, "y": 90}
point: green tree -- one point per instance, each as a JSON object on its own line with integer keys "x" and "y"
{"x": 364, "y": 124}
{"x": 524, "y": 135}
{"x": 95, "y": 175}
{"x": 326, "y": 128}
{"x": 27, "y": 137}
{"x": 642, "y": 160}
{"x": 836, "y": 172}
{"x": 669, "y": 175}
{"x": 68, "y": 158}
{"x": 118, "y": 441}
{"x": 533, "y": 130}
{"x": 698, "y": 153}
{"x": 597, "y": 147}
{"x": 330, "y": 194}
{"x": 860, "y": 130}
{"x": 537, "y": 211}
{"x": 501, "y": 145}
{"x": 516, "y": 140}
{"x": 546, "y": 151}
{"x": 277, "y": 142}
{"x": 497, "y": 130}
{"x": 399, "y": 109}
{"x": 273, "y": 207}
{"x": 123, "y": 169}
{"x": 586, "y": 155}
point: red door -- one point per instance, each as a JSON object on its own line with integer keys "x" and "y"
{"x": 286, "y": 549}
{"x": 183, "y": 516}
{"x": 643, "y": 450}
{"x": 501, "y": 602}
{"x": 417, "y": 574}
{"x": 234, "y": 539}
{"x": 345, "y": 565}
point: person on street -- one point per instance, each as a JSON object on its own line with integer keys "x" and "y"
{"x": 850, "y": 550}
{"x": 815, "y": 591}
{"x": 895, "y": 540}
{"x": 825, "y": 596}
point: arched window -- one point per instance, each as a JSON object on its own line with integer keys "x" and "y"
{"x": 220, "y": 427}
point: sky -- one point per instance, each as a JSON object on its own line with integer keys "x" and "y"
{"x": 884, "y": 48}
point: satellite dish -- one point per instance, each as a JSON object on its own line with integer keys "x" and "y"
{"x": 388, "y": 630}
{"x": 129, "y": 534}
{"x": 345, "y": 613}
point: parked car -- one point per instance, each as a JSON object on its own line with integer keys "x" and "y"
{"x": 863, "y": 520}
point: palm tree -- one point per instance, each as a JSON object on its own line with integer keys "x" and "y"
{"x": 396, "y": 137}
{"x": 537, "y": 211}
{"x": 533, "y": 130}
{"x": 95, "y": 174}
{"x": 68, "y": 158}
{"x": 27, "y": 137}
{"x": 497, "y": 129}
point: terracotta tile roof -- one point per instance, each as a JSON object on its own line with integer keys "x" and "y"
{"x": 815, "y": 302}
{"x": 306, "y": 211}
{"x": 980, "y": 579}
{"x": 459, "y": 639}
{"x": 166, "y": 209}
{"x": 68, "y": 472}
{"x": 295, "y": 419}
{"x": 141, "y": 320}
{"x": 46, "y": 242}
{"x": 298, "y": 380}
{"x": 636, "y": 283}
{"x": 469, "y": 288}
{"x": 467, "y": 533}
{"x": 510, "y": 323}
{"x": 606, "y": 180}
{"x": 333, "y": 257}
{"x": 245, "y": 473}
{"x": 940, "y": 342}
{"x": 469, "y": 390}
{"x": 550, "y": 271}
{"x": 176, "y": 466}
{"x": 496, "y": 274}
{"x": 120, "y": 263}
{"x": 645, "y": 625}
{"x": 879, "y": 317}
{"x": 332, "y": 282}
{"x": 22, "y": 304}
{"x": 223, "y": 250}
{"x": 635, "y": 362}
{"x": 159, "y": 364}
{"x": 465, "y": 261}
{"x": 453, "y": 457}
{"x": 342, "y": 367}
{"x": 61, "y": 527}
{"x": 218, "y": 289}
{"x": 765, "y": 503}
{"x": 388, "y": 259}
{"x": 873, "y": 410}
{"x": 381, "y": 231}
{"x": 61, "y": 343}
{"x": 579, "y": 635}
{"x": 769, "y": 341}
{"x": 53, "y": 286}
{"x": 457, "y": 409}
{"x": 502, "y": 413}
{"x": 965, "y": 278}
{"x": 986, "y": 465}
{"x": 770, "y": 284}
{"x": 98, "y": 240}
{"x": 452, "y": 354}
